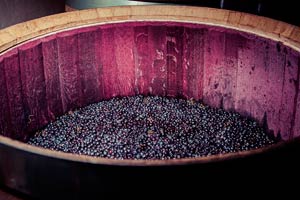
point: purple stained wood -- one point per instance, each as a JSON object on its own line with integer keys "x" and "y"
{"x": 18, "y": 114}
{"x": 99, "y": 65}
{"x": 193, "y": 62}
{"x": 158, "y": 78}
{"x": 52, "y": 77}
{"x": 174, "y": 46}
{"x": 252, "y": 82}
{"x": 124, "y": 55}
{"x": 142, "y": 60}
{"x": 87, "y": 67}
{"x": 5, "y": 125}
{"x": 296, "y": 111}
{"x": 233, "y": 43}
{"x": 274, "y": 63}
{"x": 288, "y": 93}
{"x": 214, "y": 66}
{"x": 42, "y": 79}
{"x": 33, "y": 85}
{"x": 110, "y": 82}
{"x": 213, "y": 61}
{"x": 70, "y": 86}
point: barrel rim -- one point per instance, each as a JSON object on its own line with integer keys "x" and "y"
{"x": 265, "y": 27}
{"x": 129, "y": 162}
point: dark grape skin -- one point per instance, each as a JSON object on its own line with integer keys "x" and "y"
{"x": 151, "y": 127}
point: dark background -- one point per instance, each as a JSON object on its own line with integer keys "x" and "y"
{"x": 16, "y": 11}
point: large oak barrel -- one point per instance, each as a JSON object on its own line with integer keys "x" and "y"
{"x": 227, "y": 59}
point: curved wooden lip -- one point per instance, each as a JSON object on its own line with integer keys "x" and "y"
{"x": 288, "y": 34}
{"x": 129, "y": 162}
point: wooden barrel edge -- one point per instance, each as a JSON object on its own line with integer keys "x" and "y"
{"x": 288, "y": 34}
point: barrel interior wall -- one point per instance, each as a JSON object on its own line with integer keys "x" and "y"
{"x": 42, "y": 79}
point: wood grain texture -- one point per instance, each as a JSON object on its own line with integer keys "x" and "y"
{"x": 288, "y": 95}
{"x": 174, "y": 57}
{"x": 15, "y": 98}
{"x": 158, "y": 62}
{"x": 5, "y": 125}
{"x": 52, "y": 77}
{"x": 193, "y": 62}
{"x": 33, "y": 86}
{"x": 296, "y": 115}
{"x": 70, "y": 85}
{"x": 124, "y": 47}
{"x": 142, "y": 60}
{"x": 108, "y": 63}
{"x": 88, "y": 67}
